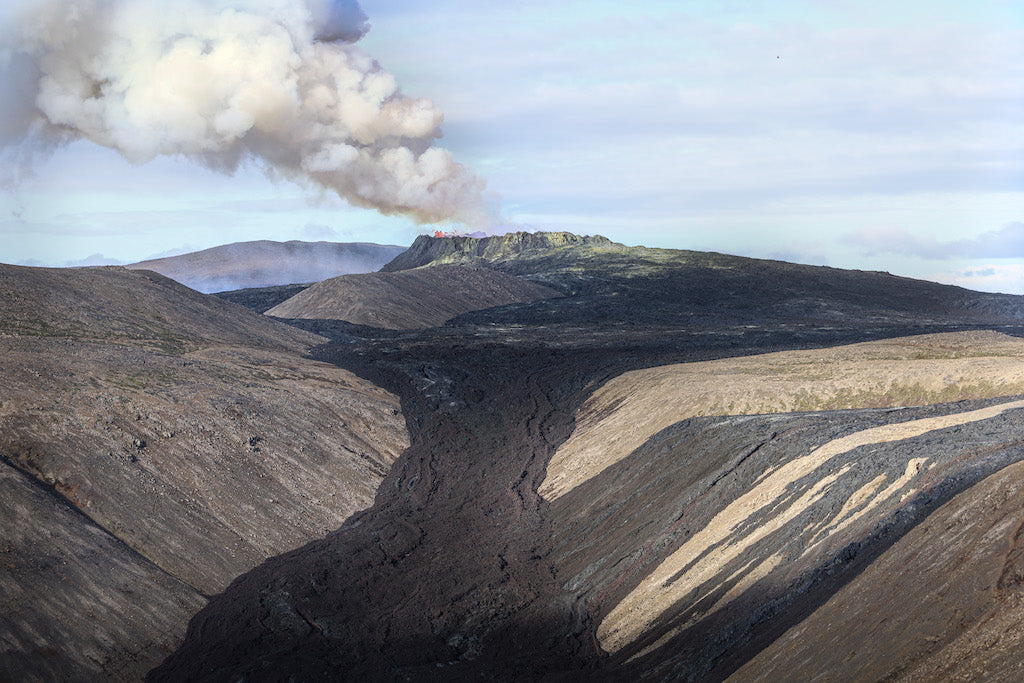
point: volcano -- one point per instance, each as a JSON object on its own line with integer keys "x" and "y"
{"x": 674, "y": 466}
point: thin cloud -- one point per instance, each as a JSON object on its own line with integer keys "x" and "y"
{"x": 1004, "y": 279}
{"x": 93, "y": 260}
{"x": 177, "y": 251}
{"x": 316, "y": 232}
{"x": 810, "y": 257}
{"x": 1005, "y": 242}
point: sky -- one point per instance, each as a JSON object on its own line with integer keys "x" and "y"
{"x": 870, "y": 135}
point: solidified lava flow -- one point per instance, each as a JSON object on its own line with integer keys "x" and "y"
{"x": 552, "y": 488}
{"x": 682, "y": 560}
{"x": 449, "y": 571}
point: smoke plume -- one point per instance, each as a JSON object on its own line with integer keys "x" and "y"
{"x": 222, "y": 82}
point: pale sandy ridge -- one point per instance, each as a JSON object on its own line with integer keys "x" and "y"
{"x": 955, "y": 582}
{"x": 918, "y": 370}
{"x": 705, "y": 554}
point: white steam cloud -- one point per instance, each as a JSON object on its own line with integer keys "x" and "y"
{"x": 279, "y": 82}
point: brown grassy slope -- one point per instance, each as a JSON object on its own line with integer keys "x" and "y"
{"x": 721, "y": 533}
{"x": 920, "y": 370}
{"x": 135, "y": 307}
{"x": 420, "y": 298}
{"x": 197, "y": 434}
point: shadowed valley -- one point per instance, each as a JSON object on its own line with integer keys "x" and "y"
{"x": 620, "y": 463}
{"x": 734, "y": 494}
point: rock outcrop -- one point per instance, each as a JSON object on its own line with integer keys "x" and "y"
{"x": 428, "y": 250}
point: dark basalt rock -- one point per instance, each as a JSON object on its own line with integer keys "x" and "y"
{"x": 128, "y": 391}
{"x": 261, "y": 299}
{"x": 461, "y": 570}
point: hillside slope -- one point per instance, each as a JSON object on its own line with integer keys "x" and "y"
{"x": 926, "y": 369}
{"x": 707, "y": 536}
{"x": 957, "y": 579}
{"x": 640, "y": 287}
{"x": 411, "y": 299}
{"x": 77, "y": 602}
{"x": 264, "y": 263}
{"x": 155, "y": 443}
{"x": 719, "y": 534}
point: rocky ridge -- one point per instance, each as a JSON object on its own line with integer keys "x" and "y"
{"x": 515, "y": 246}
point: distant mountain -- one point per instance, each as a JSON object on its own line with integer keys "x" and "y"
{"x": 265, "y": 263}
{"x": 425, "y": 297}
{"x": 154, "y": 443}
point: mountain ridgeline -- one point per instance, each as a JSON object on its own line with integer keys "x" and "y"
{"x": 522, "y": 457}
{"x": 684, "y": 467}
{"x": 666, "y": 285}
{"x": 427, "y": 250}
{"x": 265, "y": 263}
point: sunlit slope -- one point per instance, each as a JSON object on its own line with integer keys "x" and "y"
{"x": 920, "y": 370}
{"x": 716, "y": 535}
{"x": 771, "y": 503}
{"x": 958, "y": 580}
{"x": 698, "y": 500}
